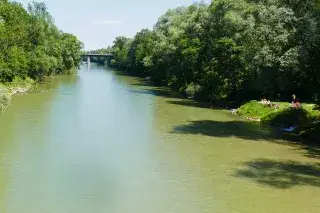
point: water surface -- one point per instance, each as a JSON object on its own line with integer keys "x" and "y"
{"x": 100, "y": 142}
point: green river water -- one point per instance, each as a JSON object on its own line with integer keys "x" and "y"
{"x": 100, "y": 142}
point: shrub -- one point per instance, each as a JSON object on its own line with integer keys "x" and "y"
{"x": 19, "y": 85}
{"x": 192, "y": 90}
{"x": 5, "y": 98}
{"x": 287, "y": 117}
{"x": 254, "y": 109}
{"x": 314, "y": 115}
{"x": 24, "y": 83}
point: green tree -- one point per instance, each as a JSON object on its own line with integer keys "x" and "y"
{"x": 31, "y": 45}
{"x": 231, "y": 50}
{"x": 120, "y": 51}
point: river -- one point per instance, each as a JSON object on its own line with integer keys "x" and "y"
{"x": 100, "y": 141}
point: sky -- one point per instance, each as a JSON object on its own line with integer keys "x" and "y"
{"x": 97, "y": 22}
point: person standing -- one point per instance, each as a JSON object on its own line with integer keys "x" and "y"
{"x": 294, "y": 99}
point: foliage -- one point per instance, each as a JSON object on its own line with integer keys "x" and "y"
{"x": 107, "y": 50}
{"x": 31, "y": 45}
{"x": 5, "y": 98}
{"x": 121, "y": 52}
{"x": 287, "y": 117}
{"x": 19, "y": 84}
{"x": 192, "y": 89}
{"x": 233, "y": 50}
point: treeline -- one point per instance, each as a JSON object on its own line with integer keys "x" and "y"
{"x": 31, "y": 45}
{"x": 231, "y": 50}
{"x": 107, "y": 50}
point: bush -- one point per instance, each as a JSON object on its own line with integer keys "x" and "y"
{"x": 5, "y": 98}
{"x": 254, "y": 109}
{"x": 192, "y": 90}
{"x": 306, "y": 118}
{"x": 287, "y": 117}
{"x": 23, "y": 83}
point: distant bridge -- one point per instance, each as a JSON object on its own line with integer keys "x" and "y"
{"x": 97, "y": 58}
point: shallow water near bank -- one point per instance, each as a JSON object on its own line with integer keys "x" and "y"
{"x": 100, "y": 141}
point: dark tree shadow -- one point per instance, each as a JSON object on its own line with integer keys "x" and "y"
{"x": 122, "y": 73}
{"x": 281, "y": 174}
{"x": 162, "y": 92}
{"x": 240, "y": 129}
{"x": 142, "y": 84}
{"x": 249, "y": 131}
{"x": 311, "y": 150}
{"x": 191, "y": 103}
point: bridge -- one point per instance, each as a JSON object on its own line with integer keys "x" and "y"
{"x": 97, "y": 58}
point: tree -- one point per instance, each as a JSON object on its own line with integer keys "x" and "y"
{"x": 120, "y": 51}
{"x": 231, "y": 50}
{"x": 31, "y": 45}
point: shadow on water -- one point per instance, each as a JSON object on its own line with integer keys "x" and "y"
{"x": 248, "y": 131}
{"x": 161, "y": 92}
{"x": 281, "y": 174}
{"x": 191, "y": 103}
{"x": 311, "y": 150}
{"x": 239, "y": 129}
{"x": 278, "y": 174}
{"x": 142, "y": 83}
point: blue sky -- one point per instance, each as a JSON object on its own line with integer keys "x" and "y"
{"x": 97, "y": 22}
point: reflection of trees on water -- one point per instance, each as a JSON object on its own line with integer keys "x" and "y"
{"x": 52, "y": 83}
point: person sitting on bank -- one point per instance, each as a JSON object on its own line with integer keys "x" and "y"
{"x": 295, "y": 102}
{"x": 265, "y": 102}
{"x": 296, "y": 105}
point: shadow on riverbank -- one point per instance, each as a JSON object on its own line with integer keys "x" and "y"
{"x": 281, "y": 174}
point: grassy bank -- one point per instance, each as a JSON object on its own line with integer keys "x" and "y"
{"x": 305, "y": 120}
{"x": 18, "y": 85}
{"x": 7, "y": 90}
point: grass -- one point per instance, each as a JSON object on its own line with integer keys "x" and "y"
{"x": 306, "y": 118}
{"x": 254, "y": 109}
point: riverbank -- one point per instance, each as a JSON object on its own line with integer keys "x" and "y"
{"x": 304, "y": 120}
{"x": 18, "y": 85}
{"x": 7, "y": 90}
